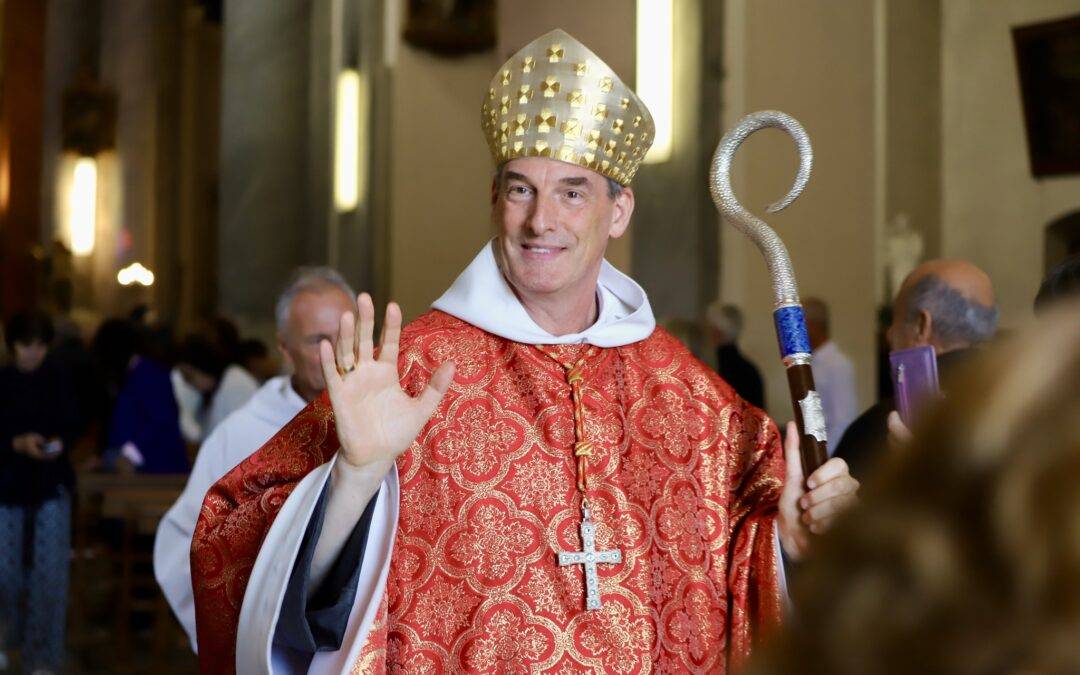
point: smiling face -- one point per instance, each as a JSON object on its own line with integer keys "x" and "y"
{"x": 553, "y": 221}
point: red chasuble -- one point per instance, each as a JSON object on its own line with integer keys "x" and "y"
{"x": 684, "y": 480}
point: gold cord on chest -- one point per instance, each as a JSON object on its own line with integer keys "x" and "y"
{"x": 588, "y": 557}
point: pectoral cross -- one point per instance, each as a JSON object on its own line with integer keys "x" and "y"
{"x": 589, "y": 557}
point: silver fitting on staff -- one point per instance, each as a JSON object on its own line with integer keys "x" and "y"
{"x": 800, "y": 359}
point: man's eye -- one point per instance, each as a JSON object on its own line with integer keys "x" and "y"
{"x": 573, "y": 194}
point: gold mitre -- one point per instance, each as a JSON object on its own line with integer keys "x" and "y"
{"x": 555, "y": 98}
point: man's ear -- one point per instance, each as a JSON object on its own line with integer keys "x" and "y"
{"x": 620, "y": 214}
{"x": 494, "y": 190}
{"x": 924, "y": 328}
{"x": 286, "y": 358}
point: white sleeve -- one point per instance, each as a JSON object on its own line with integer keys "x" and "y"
{"x": 845, "y": 406}
{"x": 233, "y": 393}
{"x": 172, "y": 545}
{"x": 188, "y": 399}
{"x": 255, "y": 649}
{"x": 781, "y": 572}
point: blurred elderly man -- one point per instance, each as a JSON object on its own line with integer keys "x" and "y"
{"x": 947, "y": 304}
{"x": 834, "y": 374}
{"x": 308, "y": 311}
{"x": 738, "y": 371}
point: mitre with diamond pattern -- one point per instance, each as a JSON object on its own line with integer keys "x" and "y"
{"x": 555, "y": 98}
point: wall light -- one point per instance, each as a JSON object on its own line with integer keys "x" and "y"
{"x": 82, "y": 206}
{"x": 87, "y": 129}
{"x": 655, "y": 70}
{"x": 347, "y": 141}
{"x": 135, "y": 273}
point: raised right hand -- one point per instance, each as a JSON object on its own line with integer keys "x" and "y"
{"x": 376, "y": 420}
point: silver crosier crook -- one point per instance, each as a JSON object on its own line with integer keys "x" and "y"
{"x": 787, "y": 311}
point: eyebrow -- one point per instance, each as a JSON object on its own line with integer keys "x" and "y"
{"x": 575, "y": 181}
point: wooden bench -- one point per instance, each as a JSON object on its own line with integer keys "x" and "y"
{"x": 136, "y": 503}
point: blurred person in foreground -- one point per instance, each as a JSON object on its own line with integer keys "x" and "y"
{"x": 144, "y": 425}
{"x": 948, "y": 304}
{"x": 834, "y": 374}
{"x": 39, "y": 423}
{"x": 964, "y": 556}
{"x": 308, "y": 311}
{"x": 738, "y": 371}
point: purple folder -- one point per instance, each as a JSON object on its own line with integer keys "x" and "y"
{"x": 914, "y": 378}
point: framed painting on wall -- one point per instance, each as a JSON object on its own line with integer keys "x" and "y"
{"x": 450, "y": 27}
{"x": 1048, "y": 61}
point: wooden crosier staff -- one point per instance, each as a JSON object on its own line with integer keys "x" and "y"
{"x": 787, "y": 311}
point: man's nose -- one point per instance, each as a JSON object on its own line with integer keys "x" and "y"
{"x": 542, "y": 218}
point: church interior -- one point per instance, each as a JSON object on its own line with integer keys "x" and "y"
{"x": 170, "y": 163}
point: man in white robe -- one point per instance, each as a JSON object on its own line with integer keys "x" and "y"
{"x": 308, "y": 311}
{"x": 834, "y": 373}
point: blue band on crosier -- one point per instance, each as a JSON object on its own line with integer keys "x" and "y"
{"x": 791, "y": 331}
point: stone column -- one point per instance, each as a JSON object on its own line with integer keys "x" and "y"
{"x": 20, "y": 150}
{"x": 675, "y": 224}
{"x": 139, "y": 59}
{"x": 266, "y": 228}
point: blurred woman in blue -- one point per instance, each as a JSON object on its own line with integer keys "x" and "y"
{"x": 144, "y": 428}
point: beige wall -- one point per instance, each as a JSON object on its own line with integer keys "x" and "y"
{"x": 440, "y": 173}
{"x": 913, "y": 107}
{"x": 815, "y": 61}
{"x": 913, "y": 118}
{"x": 993, "y": 211}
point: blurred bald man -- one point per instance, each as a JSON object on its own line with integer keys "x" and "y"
{"x": 947, "y": 304}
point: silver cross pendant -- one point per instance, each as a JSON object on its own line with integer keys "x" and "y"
{"x": 589, "y": 557}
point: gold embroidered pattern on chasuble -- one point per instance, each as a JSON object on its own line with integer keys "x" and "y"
{"x": 489, "y": 497}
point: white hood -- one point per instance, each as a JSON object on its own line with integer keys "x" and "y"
{"x": 276, "y": 400}
{"x": 482, "y": 297}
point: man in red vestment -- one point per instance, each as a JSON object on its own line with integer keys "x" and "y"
{"x": 529, "y": 477}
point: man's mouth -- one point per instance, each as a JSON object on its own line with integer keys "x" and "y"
{"x": 542, "y": 251}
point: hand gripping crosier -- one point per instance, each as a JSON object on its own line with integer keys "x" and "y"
{"x": 787, "y": 311}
